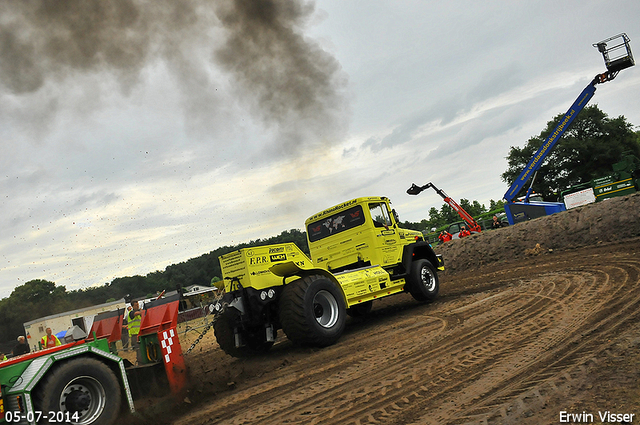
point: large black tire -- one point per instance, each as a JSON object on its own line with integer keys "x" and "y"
{"x": 255, "y": 341}
{"x": 312, "y": 311}
{"x": 360, "y": 310}
{"x": 84, "y": 385}
{"x": 423, "y": 282}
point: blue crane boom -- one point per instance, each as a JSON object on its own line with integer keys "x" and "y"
{"x": 617, "y": 56}
{"x": 538, "y": 158}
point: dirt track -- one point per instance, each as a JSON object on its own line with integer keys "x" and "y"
{"x": 515, "y": 342}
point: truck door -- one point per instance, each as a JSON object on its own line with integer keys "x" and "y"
{"x": 386, "y": 245}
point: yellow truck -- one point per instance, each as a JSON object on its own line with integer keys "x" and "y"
{"x": 358, "y": 254}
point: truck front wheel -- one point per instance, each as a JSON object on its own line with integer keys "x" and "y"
{"x": 84, "y": 387}
{"x": 312, "y": 311}
{"x": 423, "y": 282}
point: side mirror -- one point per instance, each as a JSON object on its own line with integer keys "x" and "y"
{"x": 395, "y": 216}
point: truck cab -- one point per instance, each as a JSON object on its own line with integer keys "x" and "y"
{"x": 358, "y": 233}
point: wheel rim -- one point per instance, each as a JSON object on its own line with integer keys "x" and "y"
{"x": 84, "y": 395}
{"x": 325, "y": 309}
{"x": 428, "y": 279}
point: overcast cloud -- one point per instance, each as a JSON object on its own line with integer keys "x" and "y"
{"x": 136, "y": 137}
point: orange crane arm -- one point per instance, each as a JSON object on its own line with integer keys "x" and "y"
{"x": 471, "y": 223}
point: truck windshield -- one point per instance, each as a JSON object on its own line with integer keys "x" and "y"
{"x": 335, "y": 223}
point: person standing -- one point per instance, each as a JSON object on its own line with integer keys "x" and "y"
{"x": 50, "y": 340}
{"x": 133, "y": 322}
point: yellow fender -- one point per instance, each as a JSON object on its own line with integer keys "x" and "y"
{"x": 291, "y": 269}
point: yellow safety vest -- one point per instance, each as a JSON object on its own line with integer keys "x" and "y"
{"x": 134, "y": 325}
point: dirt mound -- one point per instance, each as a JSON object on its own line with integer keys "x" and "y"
{"x": 609, "y": 221}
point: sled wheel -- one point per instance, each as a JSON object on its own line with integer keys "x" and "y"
{"x": 423, "y": 281}
{"x": 85, "y": 388}
{"x": 360, "y": 310}
{"x": 254, "y": 341}
{"x": 312, "y": 311}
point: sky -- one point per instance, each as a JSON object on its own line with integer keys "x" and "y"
{"x": 138, "y": 135}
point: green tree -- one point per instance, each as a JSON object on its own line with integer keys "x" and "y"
{"x": 493, "y": 205}
{"x": 434, "y": 216}
{"x": 36, "y": 298}
{"x": 447, "y": 215}
{"x": 473, "y": 208}
{"x": 586, "y": 151}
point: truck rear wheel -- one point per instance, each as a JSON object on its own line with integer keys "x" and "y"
{"x": 312, "y": 311}
{"x": 423, "y": 282}
{"x": 84, "y": 386}
{"x": 254, "y": 341}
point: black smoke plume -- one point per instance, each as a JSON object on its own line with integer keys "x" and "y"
{"x": 286, "y": 79}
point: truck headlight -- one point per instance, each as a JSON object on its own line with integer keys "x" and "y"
{"x": 263, "y": 295}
